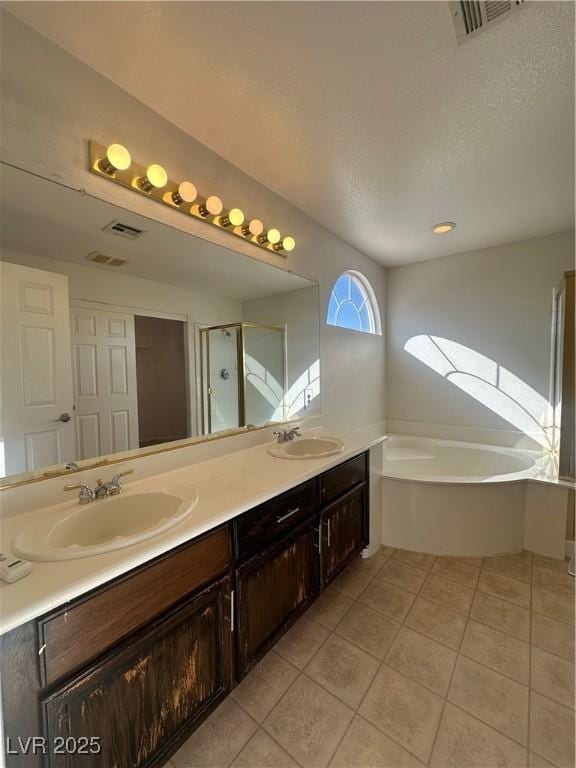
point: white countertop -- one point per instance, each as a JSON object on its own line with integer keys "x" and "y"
{"x": 227, "y": 486}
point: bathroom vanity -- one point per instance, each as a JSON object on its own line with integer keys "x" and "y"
{"x": 122, "y": 675}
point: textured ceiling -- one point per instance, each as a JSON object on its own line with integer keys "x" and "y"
{"x": 368, "y": 116}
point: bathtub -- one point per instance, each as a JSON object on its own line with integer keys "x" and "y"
{"x": 453, "y": 498}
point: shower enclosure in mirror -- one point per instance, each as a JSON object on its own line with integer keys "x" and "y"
{"x": 123, "y": 336}
{"x": 243, "y": 375}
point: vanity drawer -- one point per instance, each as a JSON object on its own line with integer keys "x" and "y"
{"x": 264, "y": 523}
{"x": 342, "y": 478}
{"x": 79, "y": 633}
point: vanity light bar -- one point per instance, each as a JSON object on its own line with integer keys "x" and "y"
{"x": 115, "y": 164}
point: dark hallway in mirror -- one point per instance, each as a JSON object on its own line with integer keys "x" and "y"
{"x": 161, "y": 380}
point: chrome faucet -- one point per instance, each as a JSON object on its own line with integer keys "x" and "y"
{"x": 86, "y": 494}
{"x": 110, "y": 488}
{"x": 287, "y": 435}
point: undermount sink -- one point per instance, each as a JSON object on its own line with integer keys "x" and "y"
{"x": 307, "y": 448}
{"x": 106, "y": 525}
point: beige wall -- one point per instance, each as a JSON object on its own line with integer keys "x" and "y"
{"x": 52, "y": 106}
{"x": 298, "y": 311}
{"x": 496, "y": 302}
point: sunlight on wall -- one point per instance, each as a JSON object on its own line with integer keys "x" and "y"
{"x": 487, "y": 382}
{"x": 265, "y": 384}
{"x": 296, "y": 400}
{"x": 306, "y": 384}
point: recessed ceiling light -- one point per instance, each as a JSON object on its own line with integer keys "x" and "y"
{"x": 443, "y": 227}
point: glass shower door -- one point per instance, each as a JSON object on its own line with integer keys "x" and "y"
{"x": 221, "y": 390}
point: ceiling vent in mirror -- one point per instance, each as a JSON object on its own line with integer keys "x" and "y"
{"x": 471, "y": 17}
{"x": 123, "y": 230}
{"x": 101, "y": 258}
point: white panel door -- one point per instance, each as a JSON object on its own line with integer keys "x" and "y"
{"x": 36, "y": 379}
{"x": 104, "y": 366}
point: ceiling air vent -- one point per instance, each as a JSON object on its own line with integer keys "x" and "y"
{"x": 473, "y": 16}
{"x": 124, "y": 230}
{"x": 110, "y": 261}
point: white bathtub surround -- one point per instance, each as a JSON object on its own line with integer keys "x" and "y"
{"x": 227, "y": 485}
{"x": 448, "y": 461}
{"x": 455, "y": 498}
{"x": 545, "y": 519}
{"x": 505, "y": 438}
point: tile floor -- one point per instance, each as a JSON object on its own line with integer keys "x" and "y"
{"x": 410, "y": 660}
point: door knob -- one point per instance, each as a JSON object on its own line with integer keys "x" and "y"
{"x": 65, "y": 417}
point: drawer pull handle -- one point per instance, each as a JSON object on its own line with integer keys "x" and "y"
{"x": 288, "y": 514}
{"x": 329, "y": 532}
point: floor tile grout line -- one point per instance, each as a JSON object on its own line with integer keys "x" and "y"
{"x": 381, "y": 662}
{"x": 505, "y": 600}
{"x": 497, "y": 629}
{"x": 531, "y": 752}
{"x": 360, "y": 648}
{"x": 440, "y": 719}
{"x": 555, "y": 618}
{"x": 553, "y": 653}
{"x": 376, "y": 673}
{"x": 488, "y": 725}
{"x": 302, "y": 672}
{"x": 379, "y": 667}
{"x": 261, "y": 725}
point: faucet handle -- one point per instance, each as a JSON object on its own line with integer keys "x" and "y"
{"x": 86, "y": 493}
{"x": 76, "y": 486}
{"x": 115, "y": 486}
{"x": 125, "y": 472}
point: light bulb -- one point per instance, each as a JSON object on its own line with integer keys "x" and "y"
{"x": 254, "y": 227}
{"x": 288, "y": 244}
{"x": 272, "y": 236}
{"x": 186, "y": 193}
{"x": 212, "y": 207}
{"x": 117, "y": 159}
{"x": 234, "y": 216}
{"x": 156, "y": 178}
{"x": 443, "y": 227}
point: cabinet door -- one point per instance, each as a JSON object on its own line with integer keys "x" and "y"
{"x": 142, "y": 698}
{"x": 344, "y": 532}
{"x": 274, "y": 588}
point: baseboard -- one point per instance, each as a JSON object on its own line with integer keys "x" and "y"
{"x": 570, "y": 550}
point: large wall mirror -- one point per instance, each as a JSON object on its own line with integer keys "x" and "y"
{"x": 121, "y": 335}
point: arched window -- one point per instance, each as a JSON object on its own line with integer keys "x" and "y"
{"x": 353, "y": 304}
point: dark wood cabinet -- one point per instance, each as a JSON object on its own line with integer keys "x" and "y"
{"x": 73, "y": 636}
{"x": 273, "y": 589}
{"x": 140, "y": 661}
{"x": 342, "y": 478}
{"x": 270, "y": 521}
{"x": 344, "y": 528}
{"x": 141, "y": 697}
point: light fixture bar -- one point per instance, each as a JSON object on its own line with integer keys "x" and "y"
{"x": 115, "y": 164}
